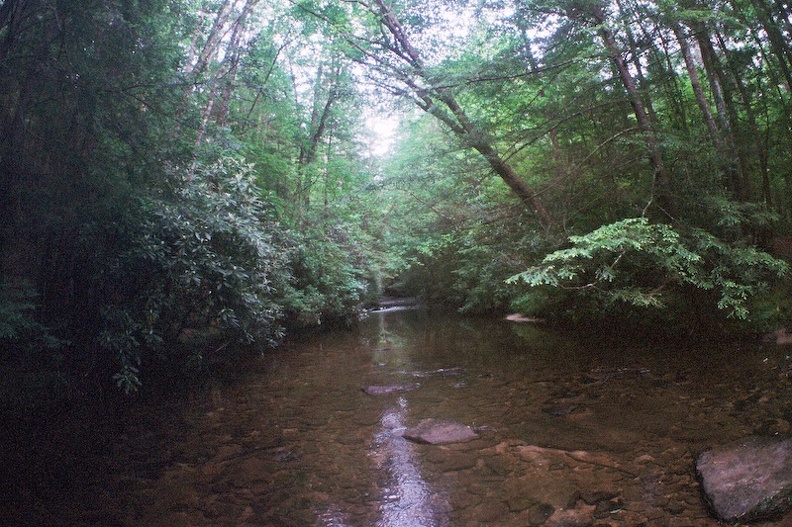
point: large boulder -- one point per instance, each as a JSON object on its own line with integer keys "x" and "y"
{"x": 438, "y": 432}
{"x": 748, "y": 480}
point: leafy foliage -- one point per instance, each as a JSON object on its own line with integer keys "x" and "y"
{"x": 329, "y": 281}
{"x": 16, "y": 310}
{"x": 640, "y": 263}
{"x": 205, "y": 256}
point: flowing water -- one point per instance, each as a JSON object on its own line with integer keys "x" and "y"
{"x": 571, "y": 431}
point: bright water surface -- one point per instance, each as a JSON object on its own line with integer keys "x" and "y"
{"x": 296, "y": 442}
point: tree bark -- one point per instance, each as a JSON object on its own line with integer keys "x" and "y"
{"x": 661, "y": 181}
{"x": 637, "y": 66}
{"x": 213, "y": 40}
{"x": 232, "y": 64}
{"x": 319, "y": 117}
{"x": 726, "y": 114}
{"x": 695, "y": 83}
{"x": 782, "y": 52}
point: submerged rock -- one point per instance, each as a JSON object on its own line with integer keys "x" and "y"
{"x": 438, "y": 432}
{"x": 780, "y": 336}
{"x": 389, "y": 388}
{"x": 577, "y": 517}
{"x": 748, "y": 480}
{"x": 560, "y": 410}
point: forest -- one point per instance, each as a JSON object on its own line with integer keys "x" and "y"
{"x": 187, "y": 181}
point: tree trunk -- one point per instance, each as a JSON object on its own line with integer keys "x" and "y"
{"x": 427, "y": 95}
{"x": 747, "y": 103}
{"x": 636, "y": 63}
{"x": 517, "y": 185}
{"x": 661, "y": 181}
{"x": 321, "y": 113}
{"x": 213, "y": 40}
{"x": 782, "y": 52}
{"x": 232, "y": 64}
{"x": 725, "y": 112}
{"x": 698, "y": 90}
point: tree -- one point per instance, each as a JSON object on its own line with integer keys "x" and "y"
{"x": 390, "y": 55}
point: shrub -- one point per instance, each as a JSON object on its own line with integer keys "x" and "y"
{"x": 647, "y": 265}
{"x": 329, "y": 281}
{"x": 204, "y": 256}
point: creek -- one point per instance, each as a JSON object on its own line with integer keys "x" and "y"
{"x": 608, "y": 431}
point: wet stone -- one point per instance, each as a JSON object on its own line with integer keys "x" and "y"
{"x": 607, "y": 507}
{"x": 748, "y": 480}
{"x": 489, "y": 512}
{"x": 595, "y": 497}
{"x": 560, "y": 410}
{"x": 439, "y": 432}
{"x": 539, "y": 514}
{"x": 580, "y": 517}
{"x": 676, "y": 508}
{"x": 457, "y": 463}
{"x": 498, "y": 466}
{"x": 519, "y": 503}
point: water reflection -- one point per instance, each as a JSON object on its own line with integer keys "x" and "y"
{"x": 332, "y": 518}
{"x": 297, "y": 442}
{"x": 407, "y": 500}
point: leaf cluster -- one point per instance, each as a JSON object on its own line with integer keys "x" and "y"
{"x": 205, "y": 256}
{"x": 641, "y": 263}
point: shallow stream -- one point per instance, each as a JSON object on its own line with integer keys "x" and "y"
{"x": 296, "y": 441}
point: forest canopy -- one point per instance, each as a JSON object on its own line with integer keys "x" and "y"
{"x": 182, "y": 179}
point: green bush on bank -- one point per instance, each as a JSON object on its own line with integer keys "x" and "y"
{"x": 328, "y": 285}
{"x": 206, "y": 255}
{"x": 638, "y": 264}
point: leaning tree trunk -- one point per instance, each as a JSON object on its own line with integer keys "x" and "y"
{"x": 234, "y": 54}
{"x": 440, "y": 103}
{"x": 725, "y": 153}
{"x": 661, "y": 181}
{"x": 725, "y": 110}
{"x": 781, "y": 50}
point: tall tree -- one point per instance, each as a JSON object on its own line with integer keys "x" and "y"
{"x": 662, "y": 181}
{"x": 403, "y": 72}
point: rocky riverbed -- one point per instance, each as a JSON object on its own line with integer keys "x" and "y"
{"x": 566, "y": 434}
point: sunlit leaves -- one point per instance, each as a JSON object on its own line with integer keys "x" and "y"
{"x": 639, "y": 263}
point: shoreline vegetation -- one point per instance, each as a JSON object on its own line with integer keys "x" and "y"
{"x": 184, "y": 184}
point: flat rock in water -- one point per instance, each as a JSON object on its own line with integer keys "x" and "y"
{"x": 389, "y": 388}
{"x": 748, "y": 480}
{"x": 438, "y": 432}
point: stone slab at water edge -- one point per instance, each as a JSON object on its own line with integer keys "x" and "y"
{"x": 748, "y": 480}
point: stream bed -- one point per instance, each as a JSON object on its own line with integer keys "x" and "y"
{"x": 572, "y": 431}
